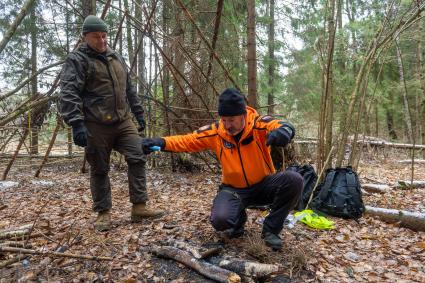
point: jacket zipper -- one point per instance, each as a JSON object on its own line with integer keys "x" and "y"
{"x": 262, "y": 154}
{"x": 243, "y": 169}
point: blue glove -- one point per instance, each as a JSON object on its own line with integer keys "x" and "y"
{"x": 142, "y": 123}
{"x": 149, "y": 144}
{"x": 79, "y": 134}
{"x": 281, "y": 136}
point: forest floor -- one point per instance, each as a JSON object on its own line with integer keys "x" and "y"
{"x": 60, "y": 206}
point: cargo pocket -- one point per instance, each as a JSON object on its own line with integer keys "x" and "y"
{"x": 227, "y": 210}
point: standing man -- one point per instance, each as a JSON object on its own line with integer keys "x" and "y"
{"x": 241, "y": 140}
{"x": 96, "y": 99}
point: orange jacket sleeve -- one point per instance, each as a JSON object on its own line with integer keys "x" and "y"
{"x": 202, "y": 139}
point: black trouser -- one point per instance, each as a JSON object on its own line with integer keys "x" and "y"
{"x": 124, "y": 138}
{"x": 281, "y": 191}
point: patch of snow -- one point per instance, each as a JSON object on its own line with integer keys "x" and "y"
{"x": 4, "y": 185}
{"x": 42, "y": 183}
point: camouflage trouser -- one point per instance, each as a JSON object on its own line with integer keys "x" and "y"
{"x": 122, "y": 137}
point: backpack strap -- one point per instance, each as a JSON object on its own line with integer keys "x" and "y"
{"x": 355, "y": 191}
{"x": 327, "y": 186}
{"x": 351, "y": 179}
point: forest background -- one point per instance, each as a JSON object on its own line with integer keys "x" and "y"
{"x": 334, "y": 68}
{"x": 349, "y": 74}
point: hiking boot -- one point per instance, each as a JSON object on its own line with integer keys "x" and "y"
{"x": 272, "y": 240}
{"x": 103, "y": 221}
{"x": 140, "y": 211}
{"x": 235, "y": 232}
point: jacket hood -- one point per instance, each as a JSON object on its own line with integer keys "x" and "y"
{"x": 251, "y": 115}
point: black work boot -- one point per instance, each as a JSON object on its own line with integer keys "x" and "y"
{"x": 236, "y": 232}
{"x": 272, "y": 240}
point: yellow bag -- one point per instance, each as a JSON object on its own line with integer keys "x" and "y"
{"x": 313, "y": 220}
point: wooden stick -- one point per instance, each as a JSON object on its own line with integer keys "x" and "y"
{"x": 8, "y": 262}
{"x": 415, "y": 184}
{"x": 249, "y": 268}
{"x": 208, "y": 270}
{"x": 49, "y": 253}
{"x": 376, "y": 188}
{"x": 210, "y": 252}
{"x": 195, "y": 251}
{"x": 12, "y": 160}
{"x": 18, "y": 232}
{"x": 16, "y": 244}
{"x": 320, "y": 177}
{"x": 52, "y": 141}
{"x": 412, "y": 220}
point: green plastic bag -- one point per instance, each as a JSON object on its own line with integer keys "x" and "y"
{"x": 313, "y": 220}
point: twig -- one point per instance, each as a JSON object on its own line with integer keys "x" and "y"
{"x": 208, "y": 270}
{"x": 8, "y": 262}
{"x": 320, "y": 176}
{"x": 49, "y": 253}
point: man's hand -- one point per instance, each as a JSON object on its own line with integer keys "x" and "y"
{"x": 142, "y": 123}
{"x": 281, "y": 136}
{"x": 148, "y": 143}
{"x": 79, "y": 134}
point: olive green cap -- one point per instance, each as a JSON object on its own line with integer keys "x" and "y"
{"x": 93, "y": 24}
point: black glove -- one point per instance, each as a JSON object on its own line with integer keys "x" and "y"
{"x": 142, "y": 123}
{"x": 79, "y": 134}
{"x": 149, "y": 142}
{"x": 281, "y": 136}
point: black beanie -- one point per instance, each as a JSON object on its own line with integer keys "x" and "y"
{"x": 231, "y": 103}
{"x": 93, "y": 24}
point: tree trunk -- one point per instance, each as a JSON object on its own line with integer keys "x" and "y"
{"x": 34, "y": 81}
{"x": 390, "y": 125}
{"x": 271, "y": 69}
{"x": 141, "y": 53}
{"x": 406, "y": 112}
{"x": 129, "y": 35}
{"x": 88, "y": 7}
{"x": 421, "y": 76}
{"x": 179, "y": 63}
{"x": 252, "y": 55}
{"x": 326, "y": 115}
{"x": 165, "y": 78}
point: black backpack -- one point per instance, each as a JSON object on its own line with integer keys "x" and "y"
{"x": 340, "y": 194}
{"x": 310, "y": 179}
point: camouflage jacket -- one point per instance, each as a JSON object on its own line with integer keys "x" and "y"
{"x": 97, "y": 88}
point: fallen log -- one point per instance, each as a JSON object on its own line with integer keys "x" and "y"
{"x": 376, "y": 188}
{"x": 186, "y": 247}
{"x": 409, "y": 184}
{"x": 208, "y": 270}
{"x": 249, "y": 268}
{"x": 15, "y": 232}
{"x": 198, "y": 253}
{"x": 392, "y": 144}
{"x": 411, "y": 220}
{"x": 48, "y": 253}
{"x": 409, "y": 161}
{"x": 16, "y": 244}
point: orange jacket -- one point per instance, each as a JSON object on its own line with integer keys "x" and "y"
{"x": 243, "y": 164}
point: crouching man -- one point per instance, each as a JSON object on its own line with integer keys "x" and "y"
{"x": 241, "y": 140}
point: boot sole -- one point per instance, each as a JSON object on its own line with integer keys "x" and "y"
{"x": 138, "y": 218}
{"x": 102, "y": 228}
{"x": 274, "y": 247}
